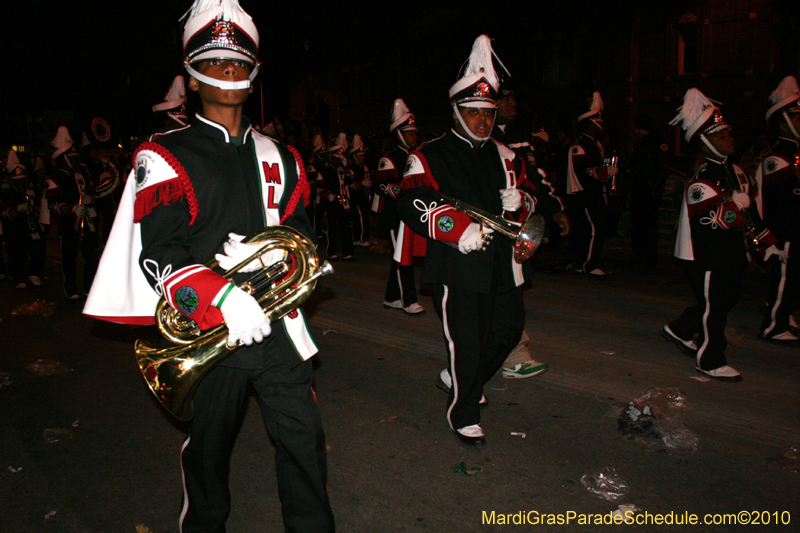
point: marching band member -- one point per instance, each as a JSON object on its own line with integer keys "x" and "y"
{"x": 337, "y": 204}
{"x": 778, "y": 202}
{"x": 24, "y": 236}
{"x": 586, "y": 178}
{"x": 360, "y": 185}
{"x": 715, "y": 225}
{"x": 70, "y": 195}
{"x": 479, "y": 290}
{"x": 194, "y": 193}
{"x": 401, "y": 287}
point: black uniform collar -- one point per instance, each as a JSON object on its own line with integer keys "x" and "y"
{"x": 218, "y": 131}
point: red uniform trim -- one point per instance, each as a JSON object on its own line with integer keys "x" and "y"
{"x": 303, "y": 189}
{"x": 167, "y": 192}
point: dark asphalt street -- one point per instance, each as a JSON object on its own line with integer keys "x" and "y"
{"x": 391, "y": 453}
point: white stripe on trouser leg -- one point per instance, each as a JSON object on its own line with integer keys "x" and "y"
{"x": 591, "y": 242}
{"x": 397, "y": 267}
{"x": 361, "y": 223}
{"x": 706, "y": 284}
{"x": 779, "y": 297}
{"x": 452, "y": 351}
{"x": 185, "y": 494}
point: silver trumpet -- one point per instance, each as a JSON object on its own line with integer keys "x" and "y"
{"x": 526, "y": 237}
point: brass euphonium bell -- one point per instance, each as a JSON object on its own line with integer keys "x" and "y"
{"x": 174, "y": 373}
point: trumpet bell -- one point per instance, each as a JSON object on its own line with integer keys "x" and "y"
{"x": 529, "y": 238}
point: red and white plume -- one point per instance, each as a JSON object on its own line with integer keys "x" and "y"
{"x": 61, "y": 142}
{"x": 12, "y": 161}
{"x": 229, "y": 10}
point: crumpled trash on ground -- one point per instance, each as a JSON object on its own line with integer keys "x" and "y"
{"x": 141, "y": 528}
{"x": 790, "y": 459}
{"x": 5, "y": 379}
{"x": 329, "y": 330}
{"x": 654, "y": 418}
{"x": 37, "y": 308}
{"x": 53, "y": 435}
{"x": 606, "y": 483}
{"x": 461, "y": 468}
{"x": 626, "y": 512}
{"x": 47, "y": 367}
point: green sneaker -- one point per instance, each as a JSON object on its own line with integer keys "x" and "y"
{"x": 528, "y": 369}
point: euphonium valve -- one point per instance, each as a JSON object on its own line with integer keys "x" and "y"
{"x": 174, "y": 373}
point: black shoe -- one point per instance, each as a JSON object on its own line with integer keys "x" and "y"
{"x": 687, "y": 347}
{"x": 471, "y": 443}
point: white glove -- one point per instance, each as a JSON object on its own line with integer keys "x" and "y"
{"x": 366, "y": 183}
{"x": 512, "y": 199}
{"x": 741, "y": 199}
{"x": 236, "y": 252}
{"x": 612, "y": 170}
{"x": 245, "y": 319}
{"x": 472, "y": 239}
{"x": 79, "y": 210}
{"x": 777, "y": 252}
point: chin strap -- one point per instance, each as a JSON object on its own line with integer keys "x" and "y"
{"x": 222, "y": 84}
{"x": 711, "y": 147}
{"x": 403, "y": 141}
{"x": 791, "y": 125}
{"x": 467, "y": 130}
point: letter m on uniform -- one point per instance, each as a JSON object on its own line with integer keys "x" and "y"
{"x": 272, "y": 173}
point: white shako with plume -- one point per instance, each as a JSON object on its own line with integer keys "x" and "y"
{"x": 319, "y": 144}
{"x": 358, "y": 144}
{"x": 340, "y": 147}
{"x": 175, "y": 101}
{"x": 402, "y": 120}
{"x": 219, "y": 29}
{"x": 786, "y": 99}
{"x": 14, "y": 168}
{"x": 595, "y": 113}
{"x": 62, "y": 141}
{"x": 699, "y": 116}
{"x": 478, "y": 84}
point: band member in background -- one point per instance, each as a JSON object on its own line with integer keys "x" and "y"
{"x": 360, "y": 185}
{"x": 318, "y": 167}
{"x": 172, "y": 111}
{"x": 195, "y": 192}
{"x": 401, "y": 287}
{"x": 586, "y": 179}
{"x": 337, "y": 202}
{"x": 477, "y": 283}
{"x": 24, "y": 236}
{"x": 70, "y": 195}
{"x": 778, "y": 202}
{"x": 716, "y": 228}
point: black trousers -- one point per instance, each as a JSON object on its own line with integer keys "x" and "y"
{"x": 71, "y": 241}
{"x": 359, "y": 214}
{"x": 25, "y": 254}
{"x": 784, "y": 293}
{"x": 290, "y": 414}
{"x": 401, "y": 284}
{"x": 338, "y": 222}
{"x": 480, "y": 331}
{"x": 716, "y": 292}
{"x": 588, "y": 219}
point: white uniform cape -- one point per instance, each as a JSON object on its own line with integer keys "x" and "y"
{"x": 120, "y": 292}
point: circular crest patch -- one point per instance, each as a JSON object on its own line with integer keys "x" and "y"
{"x": 527, "y": 202}
{"x": 771, "y": 164}
{"x": 186, "y": 299}
{"x": 729, "y": 217}
{"x": 395, "y": 190}
{"x": 445, "y": 223}
{"x": 696, "y": 193}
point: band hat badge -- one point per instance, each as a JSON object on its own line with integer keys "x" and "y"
{"x": 699, "y": 115}
{"x": 61, "y": 142}
{"x": 479, "y": 83}
{"x": 596, "y": 107}
{"x": 402, "y": 118}
{"x": 220, "y": 29}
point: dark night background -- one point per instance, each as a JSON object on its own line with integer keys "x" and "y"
{"x": 69, "y": 62}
